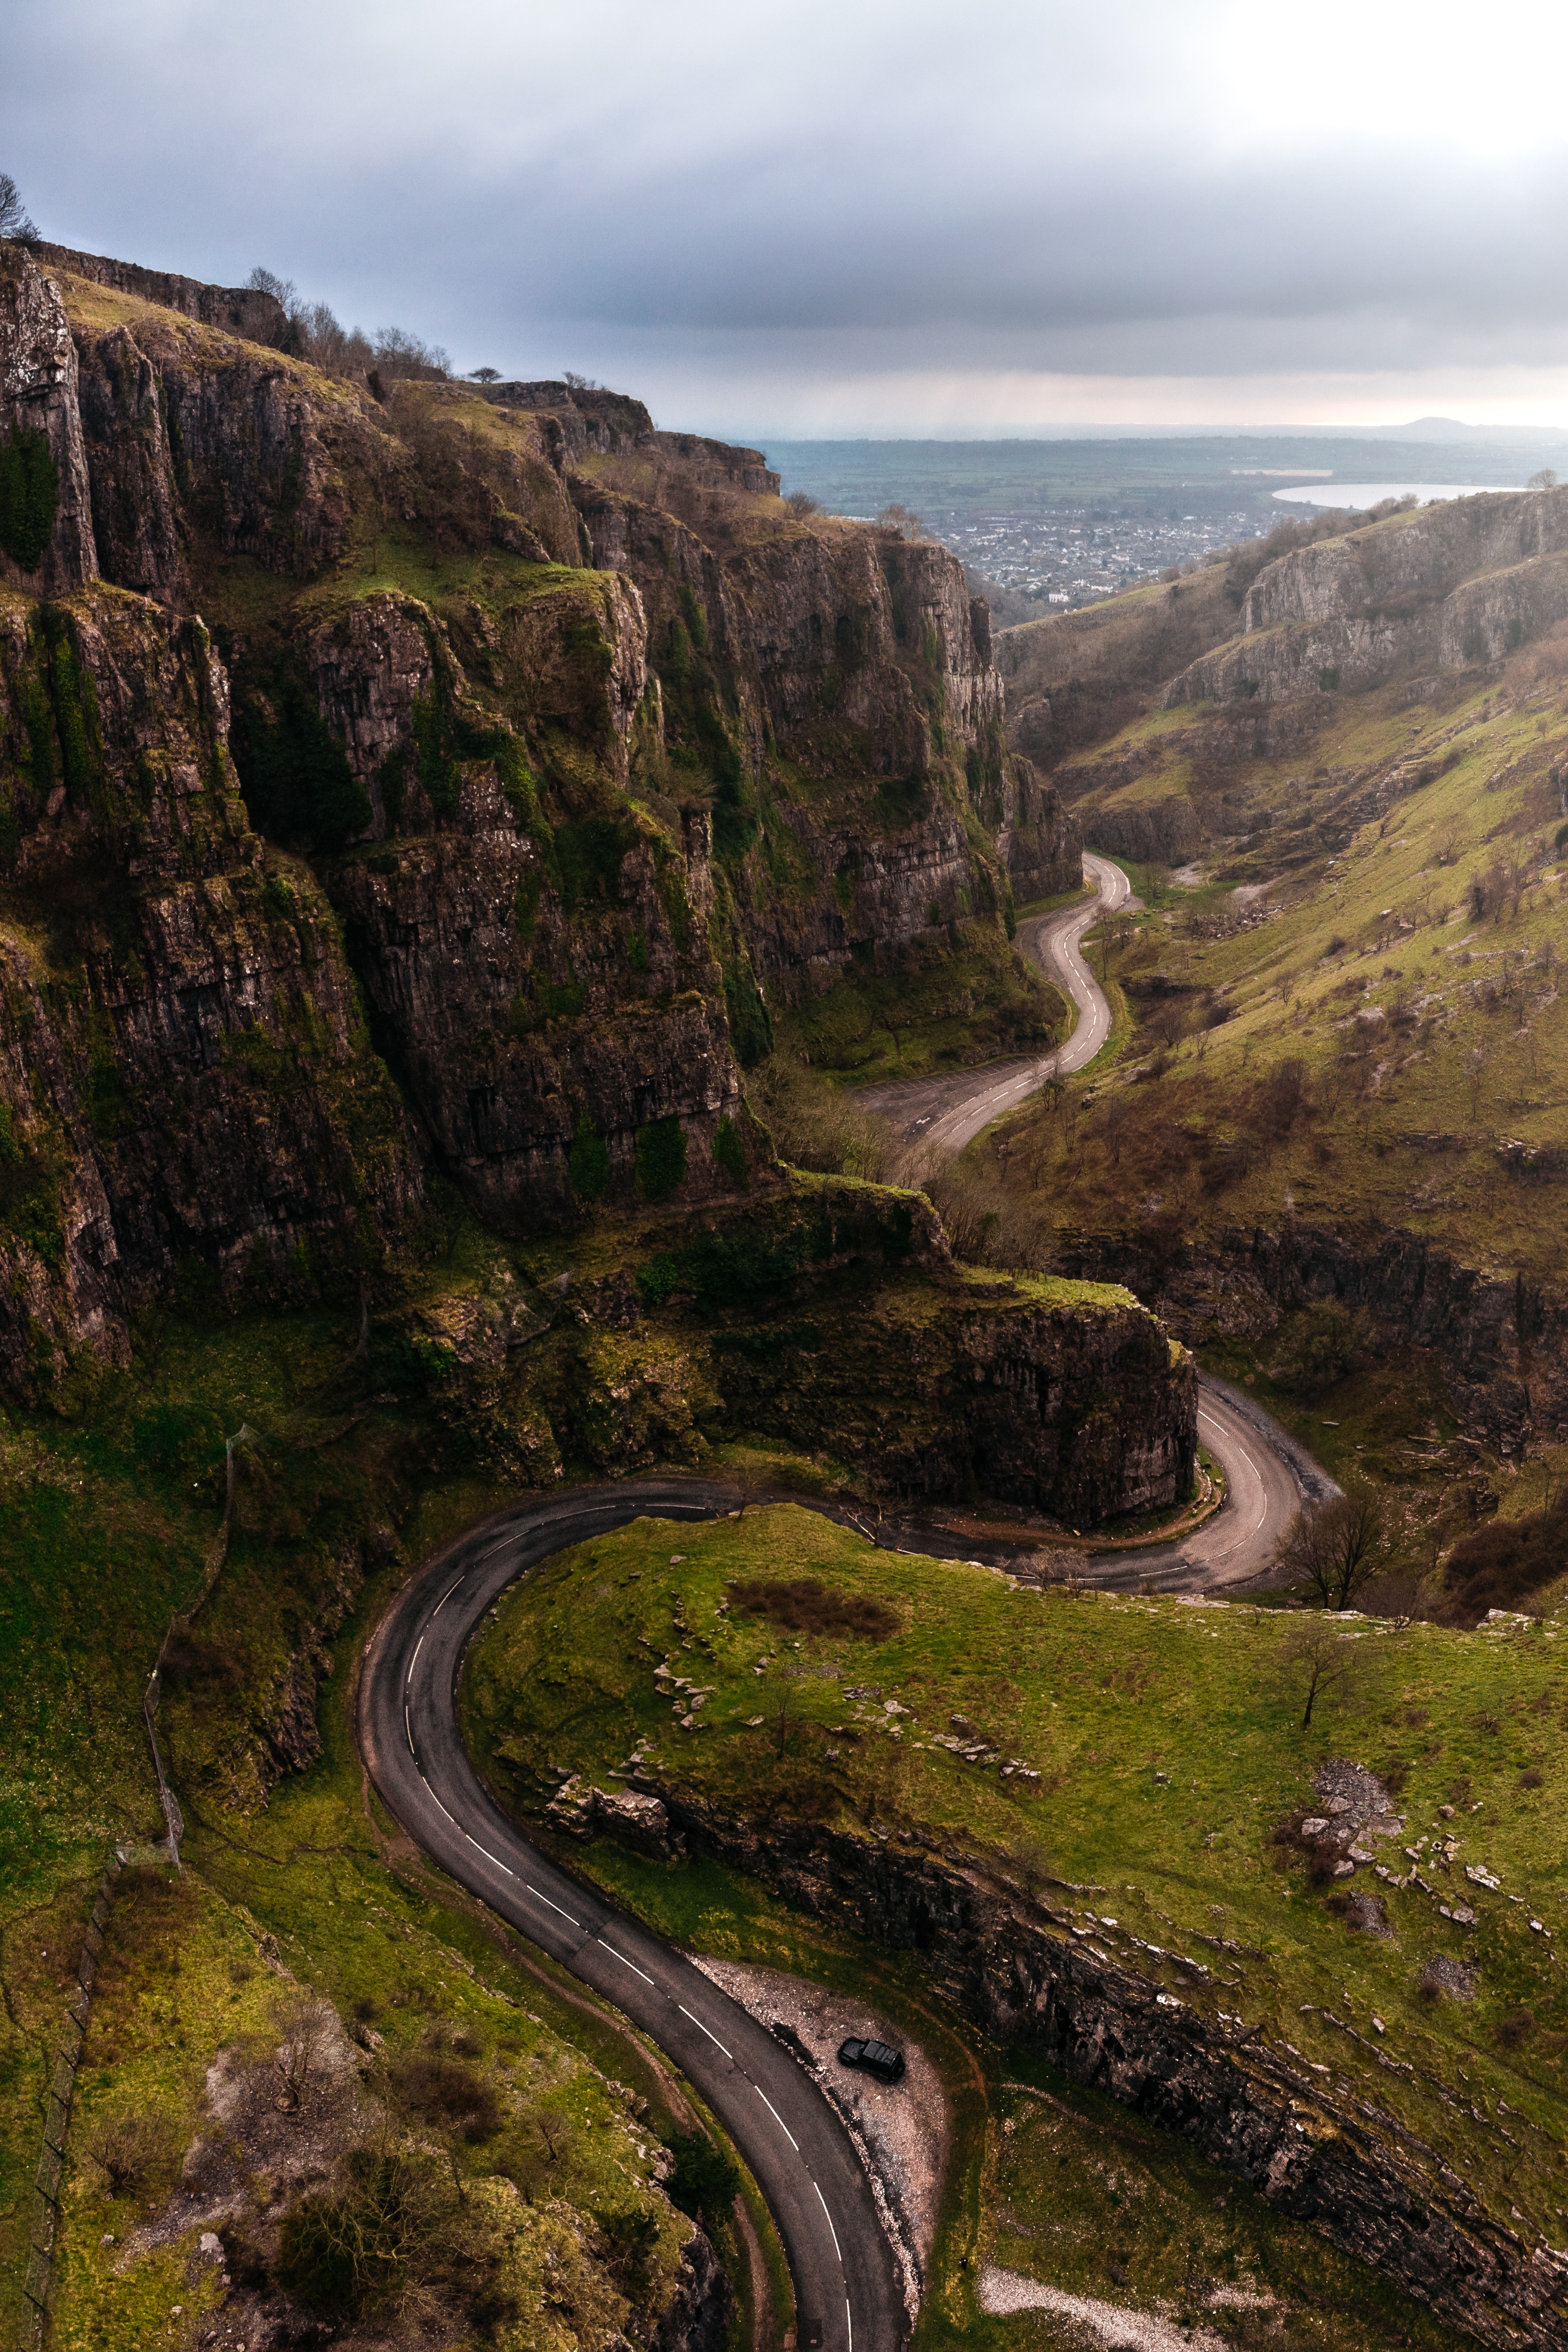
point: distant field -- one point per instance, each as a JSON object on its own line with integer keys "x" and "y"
{"x": 957, "y": 479}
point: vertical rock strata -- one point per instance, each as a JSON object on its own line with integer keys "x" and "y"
{"x": 185, "y": 1081}
{"x": 46, "y": 519}
{"x": 561, "y": 747}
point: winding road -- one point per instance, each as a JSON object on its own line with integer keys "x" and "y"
{"x": 847, "y": 2289}
{"x": 946, "y": 1113}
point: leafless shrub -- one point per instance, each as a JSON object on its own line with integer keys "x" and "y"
{"x": 305, "y": 2030}
{"x": 132, "y": 2151}
{"x": 1334, "y": 1549}
{"x": 1061, "y": 1570}
{"x": 816, "y": 1125}
{"x": 15, "y": 224}
{"x": 1319, "y": 1662}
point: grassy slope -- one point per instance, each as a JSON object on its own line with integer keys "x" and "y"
{"x": 1099, "y": 1696}
{"x": 1414, "y": 1017}
{"x": 105, "y": 1526}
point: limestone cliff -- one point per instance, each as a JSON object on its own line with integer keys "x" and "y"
{"x": 1009, "y": 1958}
{"x": 45, "y": 522}
{"x": 596, "y": 745}
{"x": 1450, "y": 587}
{"x": 567, "y": 746}
{"x": 186, "y": 1085}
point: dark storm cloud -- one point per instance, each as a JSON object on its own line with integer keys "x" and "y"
{"x": 1095, "y": 191}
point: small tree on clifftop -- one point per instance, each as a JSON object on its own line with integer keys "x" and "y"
{"x": 15, "y": 224}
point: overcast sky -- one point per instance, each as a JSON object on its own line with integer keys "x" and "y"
{"x": 853, "y": 216}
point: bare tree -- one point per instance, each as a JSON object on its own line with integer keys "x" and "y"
{"x": 801, "y": 503}
{"x": 16, "y": 225}
{"x": 1546, "y": 479}
{"x": 304, "y": 2027}
{"x": 484, "y": 376}
{"x": 1335, "y": 1549}
{"x": 1318, "y": 1659}
{"x": 1060, "y": 1570}
{"x": 903, "y": 520}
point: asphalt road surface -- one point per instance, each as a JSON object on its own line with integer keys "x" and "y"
{"x": 947, "y": 1113}
{"x": 847, "y": 2290}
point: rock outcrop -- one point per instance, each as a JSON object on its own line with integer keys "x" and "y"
{"x": 1502, "y": 1344}
{"x": 697, "y": 2316}
{"x": 244, "y": 310}
{"x": 1372, "y": 2187}
{"x": 46, "y": 519}
{"x": 187, "y": 1090}
{"x": 1451, "y": 587}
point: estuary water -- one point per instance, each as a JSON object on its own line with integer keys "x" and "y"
{"x": 1368, "y": 494}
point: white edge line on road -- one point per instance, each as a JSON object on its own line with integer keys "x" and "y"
{"x": 850, "y": 2324}
{"x": 445, "y": 1597}
{"x": 440, "y": 1808}
{"x": 408, "y": 1729}
{"x": 623, "y": 1959}
{"x": 549, "y": 1906}
{"x": 414, "y": 1661}
{"x": 487, "y": 1855}
{"x": 776, "y": 2116}
{"x": 831, "y": 2230}
{"x": 713, "y": 2038}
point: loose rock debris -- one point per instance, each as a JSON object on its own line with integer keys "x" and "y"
{"x": 1003, "y": 2293}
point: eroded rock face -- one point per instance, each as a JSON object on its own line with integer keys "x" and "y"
{"x": 1503, "y": 1344}
{"x": 39, "y": 395}
{"x": 185, "y": 1077}
{"x": 697, "y": 2316}
{"x": 607, "y": 1020}
{"x": 1453, "y": 586}
{"x": 1014, "y": 1968}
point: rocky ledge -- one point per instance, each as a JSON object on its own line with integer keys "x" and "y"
{"x": 1027, "y": 1970}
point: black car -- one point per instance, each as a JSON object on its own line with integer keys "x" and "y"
{"x": 888, "y": 2065}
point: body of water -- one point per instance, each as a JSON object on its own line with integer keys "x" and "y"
{"x": 1362, "y": 495}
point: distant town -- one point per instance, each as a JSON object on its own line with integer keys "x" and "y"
{"x": 1064, "y": 557}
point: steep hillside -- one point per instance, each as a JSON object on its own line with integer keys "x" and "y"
{"x": 1340, "y": 1076}
{"x": 571, "y": 753}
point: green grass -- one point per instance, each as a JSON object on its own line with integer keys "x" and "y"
{"x": 1098, "y": 1696}
{"x": 1459, "y": 1052}
{"x": 1100, "y": 1693}
{"x": 941, "y": 1008}
{"x": 109, "y": 1521}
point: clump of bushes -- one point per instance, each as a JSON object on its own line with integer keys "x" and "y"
{"x": 1503, "y": 1564}
{"x": 441, "y": 2090}
{"x": 805, "y": 1605}
{"x": 1326, "y": 1342}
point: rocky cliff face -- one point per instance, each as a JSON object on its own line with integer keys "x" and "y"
{"x": 641, "y": 616}
{"x": 1449, "y": 588}
{"x": 1010, "y": 1962}
{"x": 186, "y": 1080}
{"x": 567, "y": 734}
{"x": 45, "y": 522}
{"x": 1503, "y": 1344}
